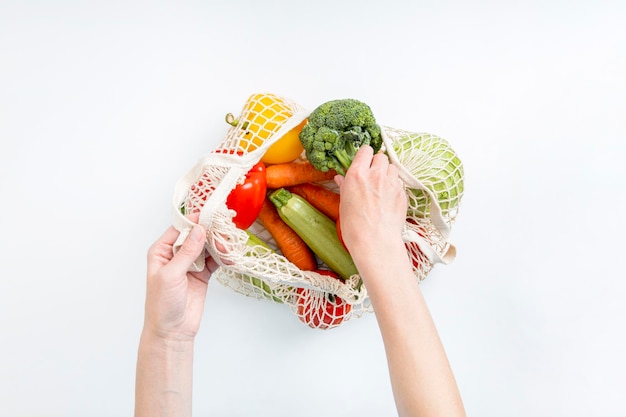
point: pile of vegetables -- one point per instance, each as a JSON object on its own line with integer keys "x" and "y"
{"x": 286, "y": 191}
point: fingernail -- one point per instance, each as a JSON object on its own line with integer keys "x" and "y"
{"x": 197, "y": 233}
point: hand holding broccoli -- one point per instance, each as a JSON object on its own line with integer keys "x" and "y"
{"x": 373, "y": 204}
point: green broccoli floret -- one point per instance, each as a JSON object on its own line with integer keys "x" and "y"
{"x": 336, "y": 130}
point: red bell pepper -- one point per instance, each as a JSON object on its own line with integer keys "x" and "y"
{"x": 245, "y": 199}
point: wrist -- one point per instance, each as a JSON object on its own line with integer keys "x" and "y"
{"x": 165, "y": 341}
{"x": 374, "y": 253}
{"x": 164, "y": 376}
{"x": 380, "y": 267}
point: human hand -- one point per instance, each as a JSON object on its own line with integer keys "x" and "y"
{"x": 373, "y": 205}
{"x": 372, "y": 210}
{"x": 174, "y": 295}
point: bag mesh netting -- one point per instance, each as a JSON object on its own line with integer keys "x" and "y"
{"x": 429, "y": 168}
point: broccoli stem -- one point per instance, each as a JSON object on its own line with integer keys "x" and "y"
{"x": 344, "y": 160}
{"x": 345, "y": 156}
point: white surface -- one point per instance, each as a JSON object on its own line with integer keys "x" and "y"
{"x": 103, "y": 106}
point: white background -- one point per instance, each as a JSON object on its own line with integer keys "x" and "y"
{"x": 104, "y": 105}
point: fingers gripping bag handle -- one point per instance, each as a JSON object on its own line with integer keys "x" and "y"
{"x": 199, "y": 192}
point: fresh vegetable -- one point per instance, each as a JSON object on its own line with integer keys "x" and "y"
{"x": 323, "y": 199}
{"x": 285, "y": 149}
{"x": 415, "y": 253}
{"x": 317, "y": 230}
{"x": 290, "y": 244}
{"x": 293, "y": 173}
{"x": 252, "y": 241}
{"x": 335, "y": 131}
{"x": 321, "y": 310}
{"x": 262, "y": 116}
{"x": 245, "y": 199}
{"x": 432, "y": 160}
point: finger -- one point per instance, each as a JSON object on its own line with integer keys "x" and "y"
{"x": 211, "y": 264}
{"x": 339, "y": 180}
{"x": 363, "y": 157}
{"x": 393, "y": 172}
{"x": 169, "y": 236}
{"x": 189, "y": 251}
{"x": 194, "y": 217}
{"x": 380, "y": 161}
{"x": 160, "y": 252}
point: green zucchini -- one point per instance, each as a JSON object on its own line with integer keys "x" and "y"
{"x": 317, "y": 230}
{"x": 252, "y": 241}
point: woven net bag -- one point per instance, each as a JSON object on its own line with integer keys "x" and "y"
{"x": 261, "y": 271}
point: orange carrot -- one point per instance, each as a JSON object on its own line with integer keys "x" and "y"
{"x": 293, "y": 173}
{"x": 290, "y": 244}
{"x": 323, "y": 199}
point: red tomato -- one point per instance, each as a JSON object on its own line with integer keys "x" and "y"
{"x": 319, "y": 310}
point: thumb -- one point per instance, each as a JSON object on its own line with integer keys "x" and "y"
{"x": 190, "y": 250}
{"x": 339, "y": 180}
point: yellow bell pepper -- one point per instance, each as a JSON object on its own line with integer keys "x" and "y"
{"x": 262, "y": 116}
{"x": 285, "y": 149}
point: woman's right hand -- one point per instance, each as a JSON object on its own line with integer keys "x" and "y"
{"x": 373, "y": 204}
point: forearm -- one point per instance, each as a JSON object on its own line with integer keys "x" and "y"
{"x": 163, "y": 385}
{"x": 422, "y": 380}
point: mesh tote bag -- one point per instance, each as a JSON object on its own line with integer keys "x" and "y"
{"x": 249, "y": 259}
